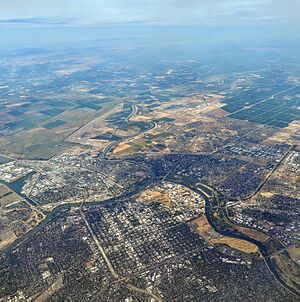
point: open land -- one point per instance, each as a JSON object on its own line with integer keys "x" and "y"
{"x": 173, "y": 181}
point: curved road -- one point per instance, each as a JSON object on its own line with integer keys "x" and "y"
{"x": 103, "y": 154}
{"x": 212, "y": 204}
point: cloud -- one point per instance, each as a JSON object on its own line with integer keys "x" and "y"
{"x": 199, "y": 12}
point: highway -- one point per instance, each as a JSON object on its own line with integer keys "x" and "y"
{"x": 214, "y": 202}
{"x": 224, "y": 227}
{"x": 109, "y": 265}
{"x": 124, "y": 280}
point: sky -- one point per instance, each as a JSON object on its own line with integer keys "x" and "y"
{"x": 39, "y": 13}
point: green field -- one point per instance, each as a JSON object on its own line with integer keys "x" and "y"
{"x": 277, "y": 111}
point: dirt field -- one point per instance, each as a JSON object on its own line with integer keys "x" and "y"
{"x": 237, "y": 244}
{"x": 286, "y": 135}
{"x": 295, "y": 253}
{"x": 262, "y": 237}
{"x": 173, "y": 119}
{"x": 7, "y": 196}
{"x": 151, "y": 195}
{"x": 288, "y": 268}
{"x": 207, "y": 232}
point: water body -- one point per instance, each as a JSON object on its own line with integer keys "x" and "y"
{"x": 211, "y": 205}
{"x": 18, "y": 185}
{"x": 51, "y": 215}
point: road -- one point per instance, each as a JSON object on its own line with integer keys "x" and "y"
{"x": 111, "y": 146}
{"x": 258, "y": 189}
{"x": 142, "y": 291}
{"x": 124, "y": 280}
{"x": 212, "y": 206}
{"x": 134, "y": 109}
{"x": 264, "y": 100}
{"x": 109, "y": 265}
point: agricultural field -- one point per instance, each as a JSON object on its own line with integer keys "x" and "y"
{"x": 155, "y": 169}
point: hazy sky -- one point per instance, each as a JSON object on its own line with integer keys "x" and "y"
{"x": 181, "y": 12}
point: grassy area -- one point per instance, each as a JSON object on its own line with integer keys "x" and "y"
{"x": 39, "y": 143}
{"x": 54, "y": 124}
{"x": 289, "y": 269}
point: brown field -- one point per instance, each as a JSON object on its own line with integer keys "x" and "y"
{"x": 204, "y": 229}
{"x": 150, "y": 195}
{"x": 165, "y": 195}
{"x": 121, "y": 148}
{"x": 238, "y": 244}
{"x": 289, "y": 269}
{"x": 90, "y": 263}
{"x": 183, "y": 112}
{"x": 77, "y": 150}
{"x": 260, "y": 236}
{"x": 5, "y": 243}
{"x": 294, "y": 253}
{"x": 286, "y": 135}
{"x": 5, "y": 200}
{"x": 267, "y": 194}
{"x": 3, "y": 141}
